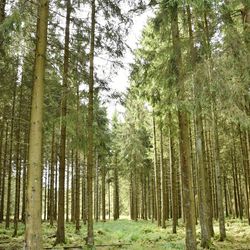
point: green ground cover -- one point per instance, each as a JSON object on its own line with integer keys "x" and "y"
{"x": 126, "y": 234}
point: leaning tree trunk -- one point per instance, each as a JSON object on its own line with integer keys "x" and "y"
{"x": 90, "y": 156}
{"x": 186, "y": 168}
{"x": 33, "y": 236}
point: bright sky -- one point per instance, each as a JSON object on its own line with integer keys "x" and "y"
{"x": 120, "y": 82}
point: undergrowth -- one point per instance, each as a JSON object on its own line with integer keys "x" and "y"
{"x": 126, "y": 234}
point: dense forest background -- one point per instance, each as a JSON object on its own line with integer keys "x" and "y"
{"x": 178, "y": 157}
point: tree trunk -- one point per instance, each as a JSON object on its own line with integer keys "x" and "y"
{"x": 2, "y": 127}
{"x": 4, "y": 173}
{"x": 90, "y": 160}
{"x": 204, "y": 209}
{"x": 77, "y": 200}
{"x": 67, "y": 190}
{"x": 84, "y": 198}
{"x": 186, "y": 168}
{"x": 116, "y": 191}
{"x": 25, "y": 175}
{"x": 33, "y": 237}
{"x": 73, "y": 190}
{"x": 163, "y": 183}
{"x": 96, "y": 188}
{"x": 18, "y": 167}
{"x": 173, "y": 175}
{"x": 157, "y": 177}
{"x": 218, "y": 172}
{"x": 60, "y": 234}
{"x": 8, "y": 206}
{"x": 52, "y": 176}
{"x": 103, "y": 168}
{"x": 245, "y": 170}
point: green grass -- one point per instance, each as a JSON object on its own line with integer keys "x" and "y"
{"x": 135, "y": 235}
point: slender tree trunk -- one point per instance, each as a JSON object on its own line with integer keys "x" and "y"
{"x": 77, "y": 201}
{"x": 116, "y": 191}
{"x": 245, "y": 170}
{"x": 52, "y": 176}
{"x": 96, "y": 188}
{"x": 84, "y": 196}
{"x": 90, "y": 160}
{"x": 225, "y": 194}
{"x": 2, "y": 127}
{"x": 163, "y": 182}
{"x": 48, "y": 192}
{"x": 60, "y": 234}
{"x": 204, "y": 209}
{"x": 4, "y": 173}
{"x": 103, "y": 168}
{"x": 218, "y": 171}
{"x": 186, "y": 168}
{"x": 73, "y": 190}
{"x": 45, "y": 191}
{"x": 24, "y": 176}
{"x": 67, "y": 191}
{"x": 18, "y": 167}
{"x": 33, "y": 237}
{"x": 234, "y": 186}
{"x": 157, "y": 177}
{"x": 173, "y": 175}
{"x": 8, "y": 206}
{"x": 109, "y": 198}
{"x": 56, "y": 186}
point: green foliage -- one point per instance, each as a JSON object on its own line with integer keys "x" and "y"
{"x": 138, "y": 235}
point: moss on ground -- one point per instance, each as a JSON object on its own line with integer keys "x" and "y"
{"x": 125, "y": 234}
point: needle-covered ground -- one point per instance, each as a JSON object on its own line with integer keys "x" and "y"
{"x": 126, "y": 234}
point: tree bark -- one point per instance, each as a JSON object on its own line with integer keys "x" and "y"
{"x": 4, "y": 172}
{"x": 204, "y": 209}
{"x": 186, "y": 168}
{"x": 52, "y": 176}
{"x": 33, "y": 237}
{"x": 218, "y": 172}
{"x": 103, "y": 168}
{"x": 90, "y": 157}
{"x": 163, "y": 183}
{"x": 157, "y": 177}
{"x": 60, "y": 234}
{"x": 8, "y": 206}
{"x": 116, "y": 191}
{"x": 77, "y": 201}
{"x": 173, "y": 175}
{"x": 73, "y": 190}
{"x": 18, "y": 167}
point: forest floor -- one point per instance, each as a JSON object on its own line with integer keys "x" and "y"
{"x": 126, "y": 234}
